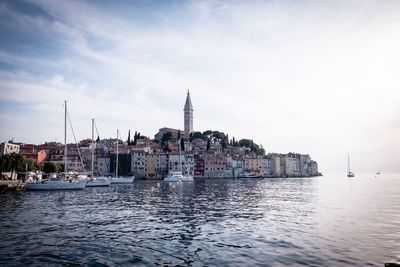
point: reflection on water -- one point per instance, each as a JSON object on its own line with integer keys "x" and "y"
{"x": 325, "y": 221}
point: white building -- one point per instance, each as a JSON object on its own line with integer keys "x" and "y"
{"x": 102, "y": 166}
{"x": 304, "y": 162}
{"x": 267, "y": 167}
{"x": 8, "y": 148}
{"x": 175, "y": 161}
{"x": 138, "y": 163}
{"x": 276, "y": 165}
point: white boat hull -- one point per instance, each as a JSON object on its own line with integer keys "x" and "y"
{"x": 122, "y": 180}
{"x": 177, "y": 178}
{"x": 56, "y": 185}
{"x": 98, "y": 182}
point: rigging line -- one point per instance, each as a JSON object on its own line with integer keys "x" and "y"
{"x": 79, "y": 151}
{"x": 95, "y": 126}
{"x": 119, "y": 163}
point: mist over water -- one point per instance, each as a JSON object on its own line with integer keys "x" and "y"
{"x": 323, "y": 221}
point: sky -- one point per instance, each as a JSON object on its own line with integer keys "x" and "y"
{"x": 313, "y": 77}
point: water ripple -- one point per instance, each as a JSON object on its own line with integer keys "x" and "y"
{"x": 262, "y": 222}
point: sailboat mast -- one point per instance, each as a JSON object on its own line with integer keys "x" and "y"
{"x": 116, "y": 162}
{"x": 65, "y": 138}
{"x": 348, "y": 163}
{"x": 180, "y": 155}
{"x": 92, "y": 148}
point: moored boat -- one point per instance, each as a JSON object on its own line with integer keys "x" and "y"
{"x": 249, "y": 175}
{"x": 59, "y": 183}
{"x": 178, "y": 177}
{"x": 122, "y": 180}
{"x": 117, "y": 179}
{"x": 98, "y": 181}
{"x": 56, "y": 185}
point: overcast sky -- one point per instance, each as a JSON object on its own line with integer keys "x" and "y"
{"x": 316, "y": 77}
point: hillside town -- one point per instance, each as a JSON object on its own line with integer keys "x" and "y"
{"x": 207, "y": 154}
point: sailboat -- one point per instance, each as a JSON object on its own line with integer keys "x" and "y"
{"x": 96, "y": 181}
{"x": 116, "y": 179}
{"x": 349, "y": 173}
{"x": 57, "y": 183}
{"x": 178, "y": 176}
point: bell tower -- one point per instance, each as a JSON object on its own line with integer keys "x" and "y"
{"x": 188, "y": 116}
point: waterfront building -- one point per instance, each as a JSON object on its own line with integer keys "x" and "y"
{"x": 175, "y": 161}
{"x": 74, "y": 164}
{"x": 215, "y": 164}
{"x": 267, "y": 166}
{"x": 236, "y": 164}
{"x": 102, "y": 166}
{"x": 151, "y": 165}
{"x": 162, "y": 167}
{"x": 138, "y": 163}
{"x": 41, "y": 156}
{"x": 304, "y": 161}
{"x": 188, "y": 116}
{"x": 198, "y": 167}
{"x": 313, "y": 168}
{"x": 290, "y": 165}
{"x": 29, "y": 151}
{"x": 254, "y": 165}
{"x": 189, "y": 160}
{"x": 276, "y": 165}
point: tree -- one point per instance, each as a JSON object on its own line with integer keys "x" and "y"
{"x": 195, "y": 135}
{"x": 135, "y": 137}
{"x": 260, "y": 151}
{"x": 12, "y": 163}
{"x": 50, "y": 167}
{"x": 233, "y": 141}
{"x": 166, "y": 148}
{"x": 166, "y": 137}
{"x": 179, "y": 135}
{"x": 208, "y": 133}
{"x": 245, "y": 142}
{"x": 182, "y": 144}
{"x": 208, "y": 144}
{"x": 32, "y": 166}
{"x": 129, "y": 137}
{"x": 218, "y": 136}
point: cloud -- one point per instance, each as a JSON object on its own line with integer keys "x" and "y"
{"x": 312, "y": 77}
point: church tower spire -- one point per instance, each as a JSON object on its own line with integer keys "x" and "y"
{"x": 188, "y": 116}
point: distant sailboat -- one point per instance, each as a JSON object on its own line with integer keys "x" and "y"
{"x": 349, "y": 173}
{"x": 178, "y": 176}
{"x": 96, "y": 181}
{"x": 117, "y": 179}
